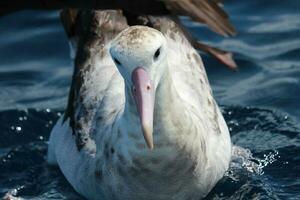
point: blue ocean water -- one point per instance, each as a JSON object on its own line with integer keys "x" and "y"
{"x": 260, "y": 102}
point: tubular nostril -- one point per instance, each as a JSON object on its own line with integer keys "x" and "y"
{"x": 148, "y": 87}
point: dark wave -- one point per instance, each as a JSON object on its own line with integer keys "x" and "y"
{"x": 273, "y": 139}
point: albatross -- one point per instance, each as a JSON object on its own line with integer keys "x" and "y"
{"x": 141, "y": 121}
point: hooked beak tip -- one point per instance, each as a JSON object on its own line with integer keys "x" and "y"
{"x": 148, "y": 136}
{"x": 150, "y": 146}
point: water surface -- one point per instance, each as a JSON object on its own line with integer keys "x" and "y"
{"x": 260, "y": 102}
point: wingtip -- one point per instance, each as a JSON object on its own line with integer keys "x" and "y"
{"x": 224, "y": 57}
{"x": 204, "y": 11}
{"x": 227, "y": 59}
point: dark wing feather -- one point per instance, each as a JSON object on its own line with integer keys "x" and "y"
{"x": 209, "y": 12}
{"x": 68, "y": 19}
{"x": 204, "y": 11}
{"x": 221, "y": 55}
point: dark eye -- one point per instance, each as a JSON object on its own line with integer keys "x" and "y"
{"x": 117, "y": 61}
{"x": 156, "y": 54}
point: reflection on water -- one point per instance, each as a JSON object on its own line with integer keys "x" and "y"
{"x": 261, "y": 101}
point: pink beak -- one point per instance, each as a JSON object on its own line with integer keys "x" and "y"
{"x": 143, "y": 93}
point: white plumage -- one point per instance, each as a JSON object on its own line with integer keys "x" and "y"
{"x": 192, "y": 146}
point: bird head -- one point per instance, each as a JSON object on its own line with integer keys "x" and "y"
{"x": 139, "y": 53}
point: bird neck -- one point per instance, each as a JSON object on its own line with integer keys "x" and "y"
{"x": 169, "y": 111}
{"x": 170, "y": 118}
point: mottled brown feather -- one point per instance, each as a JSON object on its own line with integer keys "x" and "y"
{"x": 94, "y": 29}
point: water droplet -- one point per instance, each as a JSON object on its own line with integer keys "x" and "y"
{"x": 14, "y": 192}
{"x": 20, "y": 188}
{"x": 18, "y": 128}
{"x": 12, "y": 128}
{"x": 48, "y": 110}
{"x": 41, "y": 137}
